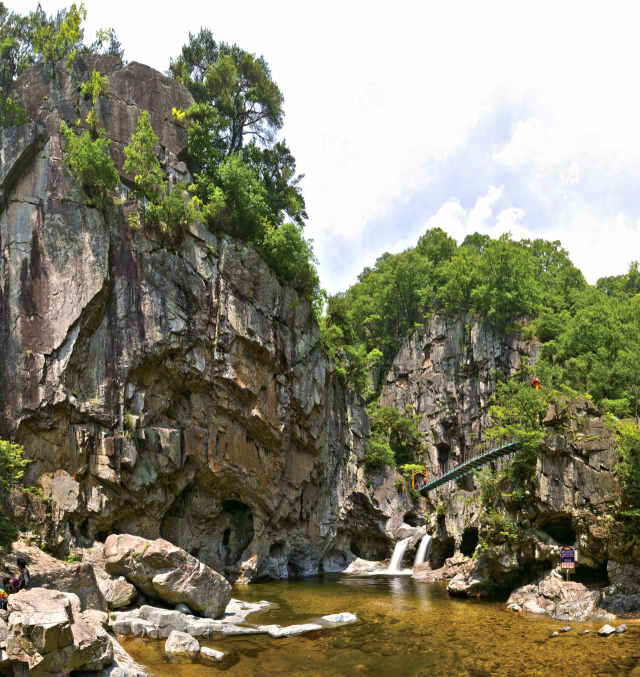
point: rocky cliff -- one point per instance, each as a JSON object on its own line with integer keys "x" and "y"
{"x": 165, "y": 393}
{"x": 446, "y": 373}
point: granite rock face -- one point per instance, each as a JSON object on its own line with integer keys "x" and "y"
{"x": 447, "y": 373}
{"x": 168, "y": 394}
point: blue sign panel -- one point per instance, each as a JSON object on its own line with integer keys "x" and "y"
{"x": 567, "y": 558}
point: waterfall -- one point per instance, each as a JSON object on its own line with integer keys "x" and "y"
{"x": 396, "y": 559}
{"x": 423, "y": 551}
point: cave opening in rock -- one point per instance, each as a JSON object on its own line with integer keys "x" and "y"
{"x": 410, "y": 519}
{"x": 469, "y": 541}
{"x": 442, "y": 551}
{"x": 369, "y": 547}
{"x": 591, "y": 577}
{"x": 277, "y": 550}
{"x": 225, "y": 537}
{"x": 559, "y": 528}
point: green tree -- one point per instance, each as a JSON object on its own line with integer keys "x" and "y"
{"x": 15, "y": 55}
{"x": 12, "y": 463}
{"x": 478, "y": 241}
{"x": 59, "y": 37}
{"x": 141, "y": 161}
{"x": 462, "y": 275}
{"x": 90, "y": 161}
{"x": 174, "y": 212}
{"x": 236, "y": 83}
{"x": 391, "y": 431}
{"x": 507, "y": 282}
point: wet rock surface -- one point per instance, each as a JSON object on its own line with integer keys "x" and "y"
{"x": 181, "y": 645}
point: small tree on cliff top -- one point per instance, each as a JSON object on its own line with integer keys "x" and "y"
{"x": 141, "y": 161}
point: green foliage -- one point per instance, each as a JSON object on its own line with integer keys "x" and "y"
{"x": 498, "y": 529}
{"x": 237, "y": 84}
{"x": 127, "y": 421}
{"x": 377, "y": 455}
{"x": 174, "y": 213}
{"x": 488, "y": 480}
{"x": 90, "y": 162}
{"x": 627, "y": 436}
{"x": 8, "y": 532}
{"x": 394, "y": 437}
{"x": 291, "y": 257}
{"x": 596, "y": 348}
{"x": 94, "y": 87}
{"x": 61, "y": 38}
{"x": 517, "y": 411}
{"x": 15, "y": 55}
{"x": 141, "y": 161}
{"x": 441, "y": 510}
{"x": 244, "y": 179}
{"x": 12, "y": 464}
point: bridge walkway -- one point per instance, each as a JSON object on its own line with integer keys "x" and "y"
{"x": 488, "y": 451}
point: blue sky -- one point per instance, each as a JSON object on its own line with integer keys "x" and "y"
{"x": 489, "y": 116}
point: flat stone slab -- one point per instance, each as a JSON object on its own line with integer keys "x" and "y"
{"x": 153, "y": 623}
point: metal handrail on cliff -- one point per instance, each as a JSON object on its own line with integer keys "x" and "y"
{"x": 488, "y": 451}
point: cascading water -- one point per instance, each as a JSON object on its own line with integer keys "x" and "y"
{"x": 423, "y": 551}
{"x": 396, "y": 559}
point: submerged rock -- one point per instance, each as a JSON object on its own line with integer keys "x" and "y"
{"x": 620, "y": 629}
{"x": 209, "y": 656}
{"x": 340, "y": 618}
{"x": 162, "y": 570}
{"x": 181, "y": 645}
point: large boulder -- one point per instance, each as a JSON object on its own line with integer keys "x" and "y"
{"x": 48, "y": 634}
{"x": 562, "y": 600}
{"x": 117, "y": 591}
{"x": 474, "y": 580}
{"x": 163, "y": 571}
{"x": 78, "y": 579}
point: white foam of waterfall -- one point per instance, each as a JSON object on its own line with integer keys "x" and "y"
{"x": 423, "y": 551}
{"x": 396, "y": 558}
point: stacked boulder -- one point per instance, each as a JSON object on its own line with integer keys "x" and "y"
{"x": 48, "y": 633}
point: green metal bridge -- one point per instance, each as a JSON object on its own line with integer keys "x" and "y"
{"x": 476, "y": 458}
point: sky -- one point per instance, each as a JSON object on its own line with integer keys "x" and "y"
{"x": 468, "y": 116}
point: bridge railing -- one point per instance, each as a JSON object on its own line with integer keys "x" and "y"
{"x": 477, "y": 450}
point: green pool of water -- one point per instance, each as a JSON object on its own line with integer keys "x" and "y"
{"x": 405, "y": 628}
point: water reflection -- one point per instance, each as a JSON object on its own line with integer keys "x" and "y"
{"x": 406, "y": 629}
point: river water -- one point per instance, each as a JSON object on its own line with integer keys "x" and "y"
{"x": 406, "y": 628}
